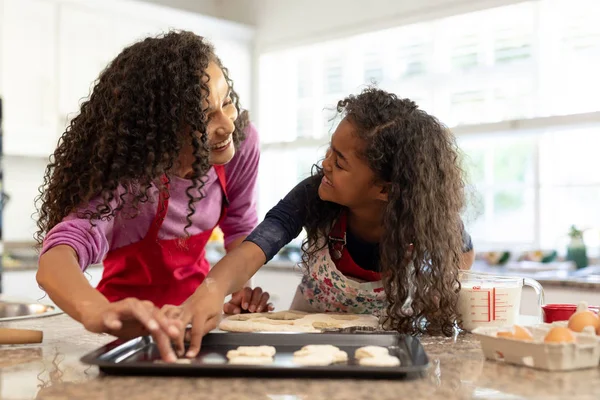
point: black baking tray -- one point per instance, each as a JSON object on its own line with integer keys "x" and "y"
{"x": 138, "y": 356}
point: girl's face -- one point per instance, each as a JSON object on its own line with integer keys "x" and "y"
{"x": 348, "y": 180}
{"x": 221, "y": 114}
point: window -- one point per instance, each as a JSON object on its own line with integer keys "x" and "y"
{"x": 511, "y": 46}
{"x": 304, "y": 79}
{"x": 465, "y": 54}
{"x": 467, "y": 107}
{"x": 304, "y": 123}
{"x": 331, "y": 119}
{"x": 334, "y": 76}
{"x": 412, "y": 60}
{"x": 493, "y": 76}
{"x": 373, "y": 69}
{"x": 513, "y": 100}
{"x": 501, "y": 192}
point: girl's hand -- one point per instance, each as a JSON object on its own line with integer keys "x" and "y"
{"x": 130, "y": 318}
{"x": 203, "y": 310}
{"x": 248, "y": 300}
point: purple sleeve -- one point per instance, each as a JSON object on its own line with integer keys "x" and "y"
{"x": 242, "y": 173}
{"x": 91, "y": 243}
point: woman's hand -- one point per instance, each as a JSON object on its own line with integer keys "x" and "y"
{"x": 248, "y": 300}
{"x": 130, "y": 318}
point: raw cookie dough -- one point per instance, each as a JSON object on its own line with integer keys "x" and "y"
{"x": 252, "y": 351}
{"x": 295, "y": 321}
{"x": 380, "y": 361}
{"x": 178, "y": 361}
{"x": 315, "y": 359}
{"x": 371, "y": 351}
{"x": 339, "y": 356}
{"x": 242, "y": 360}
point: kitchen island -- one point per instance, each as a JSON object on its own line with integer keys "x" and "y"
{"x": 52, "y": 370}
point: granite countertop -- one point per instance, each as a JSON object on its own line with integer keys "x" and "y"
{"x": 458, "y": 371}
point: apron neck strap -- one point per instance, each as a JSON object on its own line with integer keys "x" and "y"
{"x": 337, "y": 235}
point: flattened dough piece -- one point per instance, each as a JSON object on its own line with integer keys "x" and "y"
{"x": 371, "y": 351}
{"x": 315, "y": 359}
{"x": 339, "y": 356}
{"x": 380, "y": 361}
{"x": 317, "y": 348}
{"x": 252, "y": 351}
{"x": 251, "y": 360}
{"x": 178, "y": 361}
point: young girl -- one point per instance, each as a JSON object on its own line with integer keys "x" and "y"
{"x": 158, "y": 156}
{"x": 382, "y": 216}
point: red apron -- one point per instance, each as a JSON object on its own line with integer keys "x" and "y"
{"x": 161, "y": 271}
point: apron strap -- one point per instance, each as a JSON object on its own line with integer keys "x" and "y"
{"x": 163, "y": 202}
{"x": 220, "y": 170}
{"x": 337, "y": 236}
{"x": 161, "y": 211}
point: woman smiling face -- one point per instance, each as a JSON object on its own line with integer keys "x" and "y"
{"x": 221, "y": 114}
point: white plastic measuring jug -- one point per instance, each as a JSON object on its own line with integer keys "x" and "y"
{"x": 492, "y": 300}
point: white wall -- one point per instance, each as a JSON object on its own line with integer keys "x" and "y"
{"x": 281, "y": 23}
{"x": 242, "y": 11}
{"x": 22, "y": 177}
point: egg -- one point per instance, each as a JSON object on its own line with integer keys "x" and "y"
{"x": 583, "y": 318}
{"x": 517, "y": 332}
{"x": 521, "y": 333}
{"x": 506, "y": 335}
{"x": 559, "y": 334}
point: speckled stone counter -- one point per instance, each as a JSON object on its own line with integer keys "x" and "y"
{"x": 458, "y": 371}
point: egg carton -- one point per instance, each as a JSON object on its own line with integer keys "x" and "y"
{"x": 585, "y": 353}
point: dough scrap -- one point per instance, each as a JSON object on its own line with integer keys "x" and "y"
{"x": 380, "y": 361}
{"x": 252, "y": 351}
{"x": 371, "y": 351}
{"x": 250, "y": 360}
{"x": 295, "y": 321}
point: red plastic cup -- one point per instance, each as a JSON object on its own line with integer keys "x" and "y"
{"x": 561, "y": 312}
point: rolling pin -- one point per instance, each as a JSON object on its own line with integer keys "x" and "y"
{"x": 20, "y": 336}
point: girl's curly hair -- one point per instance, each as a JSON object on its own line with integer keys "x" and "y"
{"x": 131, "y": 129}
{"x": 417, "y": 156}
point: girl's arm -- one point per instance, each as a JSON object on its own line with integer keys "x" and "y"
{"x": 282, "y": 224}
{"x": 468, "y": 256}
{"x": 68, "y": 249}
{"x": 59, "y": 275}
{"x": 468, "y": 259}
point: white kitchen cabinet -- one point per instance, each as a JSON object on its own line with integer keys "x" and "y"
{"x": 280, "y": 283}
{"x": 23, "y": 285}
{"x": 86, "y": 41}
{"x": 28, "y": 73}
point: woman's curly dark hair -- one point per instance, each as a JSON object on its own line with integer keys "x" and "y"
{"x": 145, "y": 107}
{"x": 418, "y": 158}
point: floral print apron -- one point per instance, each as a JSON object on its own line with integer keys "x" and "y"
{"x": 325, "y": 289}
